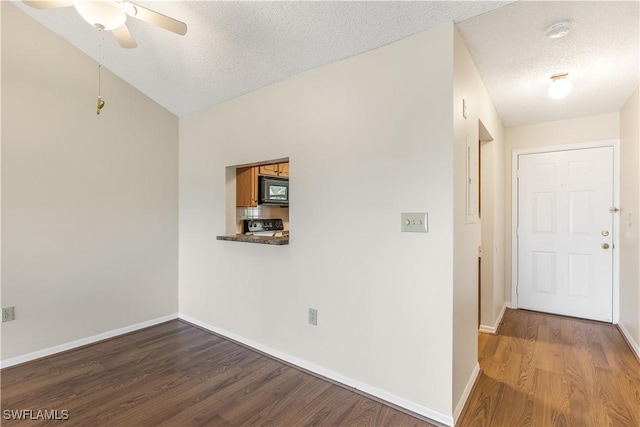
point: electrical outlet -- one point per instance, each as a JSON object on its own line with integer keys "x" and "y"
{"x": 8, "y": 314}
{"x": 313, "y": 317}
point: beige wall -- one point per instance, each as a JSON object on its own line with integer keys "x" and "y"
{"x": 89, "y": 203}
{"x": 1, "y": 305}
{"x": 629, "y": 220}
{"x": 367, "y": 138}
{"x": 470, "y": 233}
{"x": 562, "y": 132}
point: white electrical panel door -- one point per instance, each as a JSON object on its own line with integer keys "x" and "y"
{"x": 472, "y": 190}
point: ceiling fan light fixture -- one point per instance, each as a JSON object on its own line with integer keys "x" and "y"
{"x": 129, "y": 8}
{"x": 560, "y": 86}
{"x": 102, "y": 14}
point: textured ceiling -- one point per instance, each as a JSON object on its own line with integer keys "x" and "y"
{"x": 232, "y": 48}
{"x": 516, "y": 59}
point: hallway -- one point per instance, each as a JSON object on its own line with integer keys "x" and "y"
{"x": 547, "y": 370}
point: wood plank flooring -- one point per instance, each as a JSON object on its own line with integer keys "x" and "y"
{"x": 175, "y": 374}
{"x": 545, "y": 370}
{"x": 540, "y": 370}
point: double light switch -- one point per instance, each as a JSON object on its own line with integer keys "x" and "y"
{"x": 415, "y": 222}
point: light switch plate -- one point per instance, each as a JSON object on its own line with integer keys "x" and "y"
{"x": 415, "y": 222}
{"x": 8, "y": 314}
{"x": 313, "y": 316}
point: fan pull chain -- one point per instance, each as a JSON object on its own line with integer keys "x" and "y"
{"x": 100, "y": 103}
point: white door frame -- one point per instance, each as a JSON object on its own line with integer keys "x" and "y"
{"x": 615, "y": 143}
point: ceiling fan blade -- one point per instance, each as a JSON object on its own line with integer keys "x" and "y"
{"x": 124, "y": 37}
{"x": 47, "y": 4}
{"x": 155, "y": 18}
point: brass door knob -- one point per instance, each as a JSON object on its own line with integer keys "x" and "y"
{"x": 605, "y": 246}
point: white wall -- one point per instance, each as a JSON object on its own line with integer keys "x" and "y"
{"x": 1, "y": 305}
{"x": 492, "y": 223}
{"x": 89, "y": 203}
{"x": 467, "y": 233}
{"x": 562, "y": 132}
{"x": 367, "y": 138}
{"x": 630, "y": 220}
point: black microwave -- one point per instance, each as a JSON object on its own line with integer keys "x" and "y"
{"x": 274, "y": 191}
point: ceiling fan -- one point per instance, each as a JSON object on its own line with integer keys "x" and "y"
{"x": 111, "y": 15}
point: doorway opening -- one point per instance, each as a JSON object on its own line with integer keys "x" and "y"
{"x": 486, "y": 219}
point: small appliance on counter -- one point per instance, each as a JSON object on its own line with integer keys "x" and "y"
{"x": 264, "y": 227}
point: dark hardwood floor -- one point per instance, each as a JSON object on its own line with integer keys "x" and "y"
{"x": 545, "y": 370}
{"x": 175, "y": 374}
{"x": 540, "y": 370}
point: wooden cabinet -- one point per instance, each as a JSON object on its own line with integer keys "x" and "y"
{"x": 276, "y": 169}
{"x": 247, "y": 187}
{"x": 283, "y": 170}
{"x": 247, "y": 182}
{"x": 270, "y": 170}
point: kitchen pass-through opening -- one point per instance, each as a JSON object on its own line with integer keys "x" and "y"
{"x": 257, "y": 198}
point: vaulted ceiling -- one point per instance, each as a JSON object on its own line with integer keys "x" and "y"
{"x": 232, "y": 48}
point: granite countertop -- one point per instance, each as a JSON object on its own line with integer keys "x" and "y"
{"x": 248, "y": 238}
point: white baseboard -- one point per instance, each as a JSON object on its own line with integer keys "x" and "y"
{"x": 84, "y": 341}
{"x": 436, "y": 416}
{"x": 494, "y": 329}
{"x": 632, "y": 343}
{"x": 467, "y": 392}
{"x": 487, "y": 329}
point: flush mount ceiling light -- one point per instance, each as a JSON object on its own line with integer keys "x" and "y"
{"x": 560, "y": 86}
{"x": 559, "y": 29}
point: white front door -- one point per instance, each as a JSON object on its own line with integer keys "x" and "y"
{"x": 565, "y": 232}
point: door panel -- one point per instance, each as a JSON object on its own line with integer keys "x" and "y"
{"x": 581, "y": 275}
{"x": 544, "y": 272}
{"x": 563, "y": 206}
